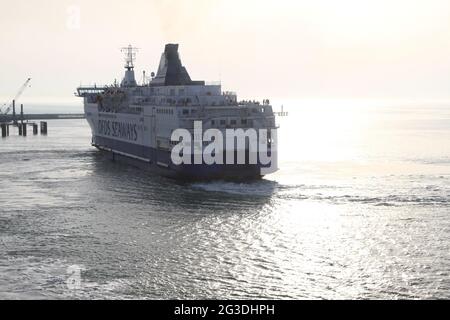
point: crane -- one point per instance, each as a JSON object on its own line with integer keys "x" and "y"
{"x": 19, "y": 93}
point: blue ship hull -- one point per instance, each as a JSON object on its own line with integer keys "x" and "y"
{"x": 159, "y": 162}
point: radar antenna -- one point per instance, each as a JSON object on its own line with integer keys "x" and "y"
{"x": 130, "y": 56}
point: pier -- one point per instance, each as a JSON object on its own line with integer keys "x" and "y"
{"x": 29, "y": 121}
{"x": 43, "y": 116}
{"x": 23, "y": 128}
{"x": 23, "y": 121}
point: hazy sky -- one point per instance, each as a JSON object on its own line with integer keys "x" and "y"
{"x": 274, "y": 48}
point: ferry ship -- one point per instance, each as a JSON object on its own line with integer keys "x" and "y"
{"x": 135, "y": 122}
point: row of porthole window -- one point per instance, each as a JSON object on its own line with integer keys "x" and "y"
{"x": 191, "y": 111}
{"x": 232, "y": 122}
{"x": 174, "y": 143}
{"x": 172, "y": 92}
{"x": 164, "y": 111}
{"x": 169, "y": 101}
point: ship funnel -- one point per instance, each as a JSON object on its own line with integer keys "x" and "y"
{"x": 171, "y": 72}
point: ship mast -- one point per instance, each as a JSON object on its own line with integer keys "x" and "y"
{"x": 130, "y": 56}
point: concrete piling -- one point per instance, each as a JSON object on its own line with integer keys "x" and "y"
{"x": 35, "y": 129}
{"x": 14, "y": 111}
{"x": 21, "y": 113}
{"x": 24, "y": 129}
{"x": 43, "y": 127}
{"x": 4, "y": 127}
